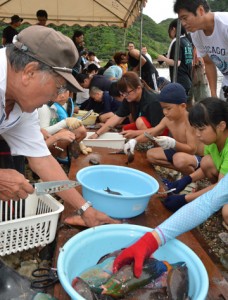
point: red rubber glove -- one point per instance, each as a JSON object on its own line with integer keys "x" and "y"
{"x": 137, "y": 252}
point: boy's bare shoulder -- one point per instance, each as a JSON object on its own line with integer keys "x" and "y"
{"x": 177, "y": 123}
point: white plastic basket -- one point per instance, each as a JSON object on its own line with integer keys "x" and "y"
{"x": 28, "y": 223}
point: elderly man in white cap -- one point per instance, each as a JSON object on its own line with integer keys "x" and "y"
{"x": 34, "y": 70}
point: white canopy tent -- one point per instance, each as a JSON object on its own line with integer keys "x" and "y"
{"x": 121, "y": 13}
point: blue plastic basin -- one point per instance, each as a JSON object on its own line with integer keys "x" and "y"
{"x": 87, "y": 247}
{"x": 135, "y": 186}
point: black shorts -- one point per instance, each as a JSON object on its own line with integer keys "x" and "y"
{"x": 170, "y": 152}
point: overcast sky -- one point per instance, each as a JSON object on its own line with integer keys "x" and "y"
{"x": 159, "y": 10}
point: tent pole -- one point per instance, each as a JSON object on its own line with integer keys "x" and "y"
{"x": 140, "y": 41}
{"x": 124, "y": 41}
{"x": 177, "y": 50}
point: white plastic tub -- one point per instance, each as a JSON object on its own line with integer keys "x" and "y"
{"x": 28, "y": 223}
{"x": 112, "y": 140}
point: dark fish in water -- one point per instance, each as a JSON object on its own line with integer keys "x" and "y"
{"x": 112, "y": 192}
{"x": 112, "y": 254}
{"x": 178, "y": 283}
{"x": 83, "y": 289}
{"x": 97, "y": 275}
{"x": 124, "y": 280}
{"x": 147, "y": 294}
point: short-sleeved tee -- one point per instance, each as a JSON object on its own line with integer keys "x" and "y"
{"x": 184, "y": 71}
{"x": 113, "y": 72}
{"x": 20, "y": 130}
{"x": 147, "y": 70}
{"x": 8, "y": 33}
{"x": 108, "y": 104}
{"x": 148, "y": 107}
{"x": 220, "y": 159}
{"x": 216, "y": 44}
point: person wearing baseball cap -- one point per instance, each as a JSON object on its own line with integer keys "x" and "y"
{"x": 34, "y": 69}
{"x": 161, "y": 82}
{"x": 181, "y": 150}
{"x": 16, "y": 19}
{"x": 10, "y": 31}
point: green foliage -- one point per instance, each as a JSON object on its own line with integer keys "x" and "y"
{"x": 218, "y": 5}
{"x": 105, "y": 41}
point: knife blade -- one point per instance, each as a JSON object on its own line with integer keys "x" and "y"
{"x": 117, "y": 152}
{"x": 86, "y": 115}
{"x": 51, "y": 187}
{"x": 149, "y": 136}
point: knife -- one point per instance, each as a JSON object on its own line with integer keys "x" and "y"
{"x": 117, "y": 152}
{"x": 86, "y": 115}
{"x": 149, "y": 136}
{"x": 51, "y": 187}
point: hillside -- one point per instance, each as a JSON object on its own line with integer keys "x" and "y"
{"x": 105, "y": 41}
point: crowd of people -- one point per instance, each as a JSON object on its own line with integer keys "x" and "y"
{"x": 190, "y": 141}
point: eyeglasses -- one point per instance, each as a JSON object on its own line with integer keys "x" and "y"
{"x": 61, "y": 89}
{"x": 126, "y": 94}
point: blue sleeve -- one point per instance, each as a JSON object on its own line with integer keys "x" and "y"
{"x": 194, "y": 213}
{"x": 107, "y": 103}
{"x": 110, "y": 104}
{"x": 115, "y": 104}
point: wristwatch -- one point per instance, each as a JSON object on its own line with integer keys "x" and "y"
{"x": 83, "y": 208}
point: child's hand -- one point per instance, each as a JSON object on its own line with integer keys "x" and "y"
{"x": 65, "y": 135}
{"x": 129, "y": 134}
{"x": 174, "y": 202}
{"x": 165, "y": 142}
{"x": 76, "y": 109}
